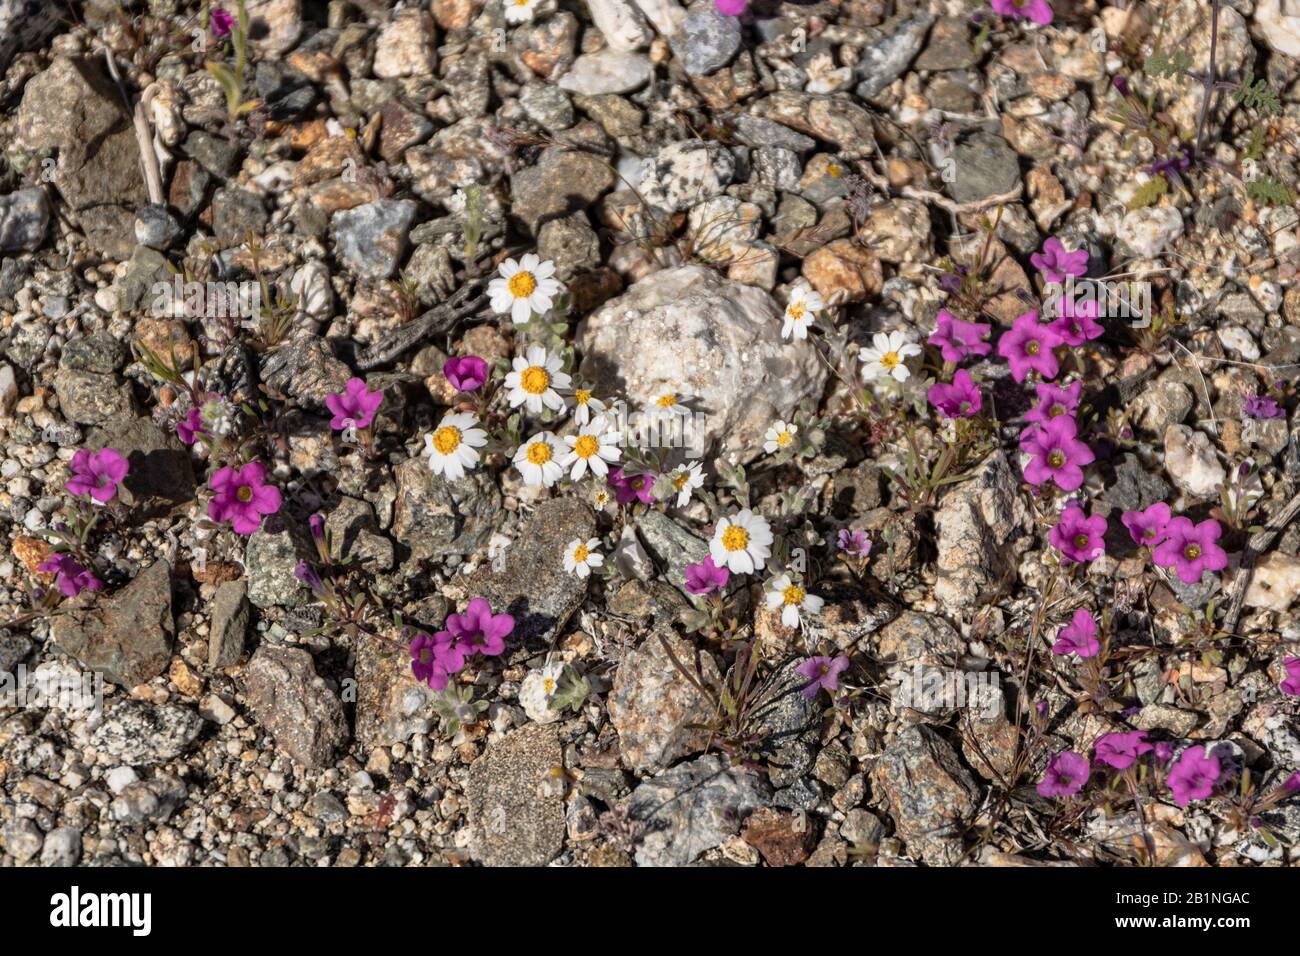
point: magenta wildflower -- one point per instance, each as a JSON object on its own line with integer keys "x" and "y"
{"x": 1057, "y": 453}
{"x": 317, "y": 525}
{"x": 823, "y": 673}
{"x": 706, "y": 577}
{"x": 856, "y": 544}
{"x": 70, "y": 576}
{"x": 1191, "y": 549}
{"x": 1077, "y": 322}
{"x": 1147, "y": 527}
{"x": 478, "y": 629}
{"x": 956, "y": 339}
{"x": 354, "y": 407}
{"x": 630, "y": 489}
{"x": 221, "y": 22}
{"x": 1291, "y": 684}
{"x": 731, "y": 8}
{"x": 1121, "y": 750}
{"x": 1292, "y": 783}
{"x": 243, "y": 497}
{"x": 1054, "y": 262}
{"x": 96, "y": 473}
{"x": 961, "y": 399}
{"x": 191, "y": 426}
{"x": 1164, "y": 752}
{"x": 467, "y": 373}
{"x": 1066, "y": 774}
{"x": 1194, "y": 775}
{"x": 435, "y": 658}
{"x": 1263, "y": 406}
{"x": 308, "y": 575}
{"x": 1078, "y": 637}
{"x": 1077, "y": 536}
{"x": 1054, "y": 401}
{"x": 1028, "y": 347}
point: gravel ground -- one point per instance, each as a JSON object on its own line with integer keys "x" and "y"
{"x": 614, "y": 432}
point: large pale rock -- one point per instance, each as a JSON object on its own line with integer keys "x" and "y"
{"x": 1191, "y": 462}
{"x": 514, "y": 820}
{"x": 1275, "y": 583}
{"x": 978, "y": 523}
{"x": 715, "y": 343}
{"x": 295, "y": 705}
{"x": 621, "y": 23}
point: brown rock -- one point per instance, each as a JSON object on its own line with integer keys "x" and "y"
{"x": 782, "y": 839}
{"x": 295, "y": 705}
{"x": 843, "y": 271}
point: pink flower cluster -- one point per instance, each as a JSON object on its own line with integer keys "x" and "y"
{"x": 70, "y": 577}
{"x": 96, "y": 473}
{"x": 1039, "y": 11}
{"x": 1192, "y": 777}
{"x": 1176, "y": 542}
{"x": 243, "y": 497}
{"x": 956, "y": 341}
{"x": 434, "y": 658}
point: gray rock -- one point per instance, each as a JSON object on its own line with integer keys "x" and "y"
{"x": 547, "y": 106}
{"x": 985, "y": 166}
{"x": 371, "y": 239}
{"x": 161, "y": 466}
{"x": 529, "y": 582}
{"x": 25, "y": 25}
{"x": 146, "y": 278}
{"x": 156, "y": 227}
{"x": 930, "y": 796}
{"x": 88, "y": 398}
{"x": 140, "y": 734}
{"x": 126, "y": 636}
{"x": 513, "y": 821}
{"x": 563, "y": 181}
{"x": 149, "y": 801}
{"x": 657, "y": 712}
{"x": 391, "y": 704}
{"x": 707, "y": 40}
{"x": 22, "y": 839}
{"x": 693, "y": 808}
{"x": 756, "y": 131}
{"x": 229, "y": 625}
{"x": 1161, "y": 404}
{"x": 714, "y": 342}
{"x": 354, "y": 533}
{"x": 100, "y": 353}
{"x": 62, "y": 847}
{"x": 671, "y": 545}
{"x": 214, "y": 154}
{"x": 886, "y": 59}
{"x": 434, "y": 517}
{"x": 571, "y": 244}
{"x": 950, "y": 46}
{"x": 1134, "y": 488}
{"x": 236, "y": 213}
{"x": 24, "y": 220}
{"x": 306, "y": 371}
{"x": 607, "y": 71}
{"x": 786, "y": 724}
{"x": 686, "y": 173}
{"x": 75, "y": 108}
{"x": 295, "y": 705}
{"x": 835, "y": 119}
{"x": 270, "y": 559}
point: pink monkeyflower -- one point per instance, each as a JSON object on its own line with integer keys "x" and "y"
{"x": 1147, "y": 527}
{"x": 478, "y": 629}
{"x": 855, "y": 543}
{"x": 1191, "y": 549}
{"x": 96, "y": 473}
{"x": 1263, "y": 406}
{"x": 730, "y": 8}
{"x": 956, "y": 339}
{"x": 1054, "y": 401}
{"x": 1057, "y": 453}
{"x": 706, "y": 577}
{"x": 1292, "y": 783}
{"x": 1077, "y": 536}
{"x": 1077, "y": 323}
{"x": 961, "y": 399}
{"x": 630, "y": 489}
{"x": 1078, "y": 637}
{"x": 1194, "y": 775}
{"x": 1028, "y": 347}
{"x": 1121, "y": 750}
{"x": 1164, "y": 752}
{"x": 354, "y": 407}
{"x": 435, "y": 658}
{"x": 191, "y": 426}
{"x": 221, "y": 22}
{"x": 70, "y": 576}
{"x": 823, "y": 673}
{"x": 1054, "y": 262}
{"x": 1066, "y": 774}
{"x": 467, "y": 373}
{"x": 1291, "y": 685}
{"x": 243, "y": 497}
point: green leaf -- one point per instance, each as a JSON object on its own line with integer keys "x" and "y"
{"x": 1149, "y": 193}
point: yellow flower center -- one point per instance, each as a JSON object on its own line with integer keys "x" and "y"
{"x": 784, "y": 438}
{"x": 667, "y": 400}
{"x": 792, "y": 594}
{"x": 580, "y": 553}
{"x": 582, "y": 396}
{"x": 245, "y": 493}
{"x": 446, "y": 439}
{"x": 680, "y": 479}
{"x": 539, "y": 453}
{"x": 1032, "y": 347}
{"x": 586, "y": 446}
{"x": 1192, "y": 552}
{"x": 735, "y": 538}
{"x": 1081, "y": 541}
{"x": 1057, "y": 409}
{"x": 890, "y": 360}
{"x": 521, "y": 284}
{"x": 535, "y": 380}
{"x": 1056, "y": 459}
{"x": 547, "y": 683}
{"x": 795, "y": 310}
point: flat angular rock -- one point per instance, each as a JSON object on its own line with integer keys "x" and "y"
{"x": 512, "y": 823}
{"x": 434, "y": 516}
{"x": 929, "y": 794}
{"x": 295, "y": 705}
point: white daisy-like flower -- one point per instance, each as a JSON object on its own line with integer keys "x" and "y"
{"x": 519, "y": 11}
{"x": 538, "y": 459}
{"x": 602, "y": 498}
{"x": 581, "y": 556}
{"x": 534, "y": 381}
{"x": 585, "y": 405}
{"x": 666, "y": 405}
{"x": 594, "y": 445}
{"x": 451, "y": 446}
{"x": 779, "y": 437}
{"x": 685, "y": 480}
{"x": 537, "y": 689}
{"x": 742, "y": 542}
{"x": 886, "y": 356}
{"x": 800, "y": 310}
{"x": 523, "y": 287}
{"x": 791, "y": 598}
